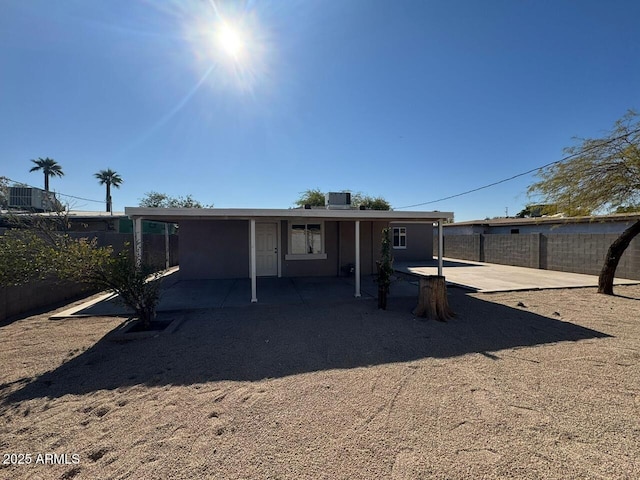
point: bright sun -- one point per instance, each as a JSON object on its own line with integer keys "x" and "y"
{"x": 230, "y": 40}
{"x": 235, "y": 45}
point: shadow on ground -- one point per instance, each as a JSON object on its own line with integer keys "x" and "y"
{"x": 263, "y": 341}
{"x": 189, "y": 295}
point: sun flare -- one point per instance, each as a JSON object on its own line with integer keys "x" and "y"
{"x": 234, "y": 48}
{"x": 230, "y": 40}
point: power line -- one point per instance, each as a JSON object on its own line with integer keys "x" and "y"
{"x": 57, "y": 193}
{"x": 564, "y": 159}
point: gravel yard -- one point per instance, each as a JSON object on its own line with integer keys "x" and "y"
{"x": 536, "y": 384}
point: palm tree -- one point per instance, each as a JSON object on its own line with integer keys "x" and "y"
{"x": 108, "y": 177}
{"x": 49, "y": 167}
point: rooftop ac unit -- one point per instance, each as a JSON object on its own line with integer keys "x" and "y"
{"x": 338, "y": 200}
{"x": 32, "y": 199}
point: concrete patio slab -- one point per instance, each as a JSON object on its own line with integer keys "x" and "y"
{"x": 491, "y": 277}
{"x": 181, "y": 295}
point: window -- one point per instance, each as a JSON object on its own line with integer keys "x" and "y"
{"x": 399, "y": 237}
{"x": 306, "y": 241}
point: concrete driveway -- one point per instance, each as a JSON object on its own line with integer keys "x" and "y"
{"x": 491, "y": 277}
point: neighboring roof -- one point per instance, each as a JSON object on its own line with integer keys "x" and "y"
{"x": 494, "y": 222}
{"x": 177, "y": 214}
{"x": 70, "y": 214}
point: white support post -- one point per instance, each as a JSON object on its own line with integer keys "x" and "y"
{"x": 167, "y": 262}
{"x": 440, "y": 247}
{"x": 137, "y": 240}
{"x": 357, "y": 293}
{"x": 254, "y": 297}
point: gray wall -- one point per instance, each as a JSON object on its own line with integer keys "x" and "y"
{"x": 340, "y": 249}
{"x": 543, "y": 226}
{"x": 153, "y": 246}
{"x": 214, "y": 249}
{"x": 24, "y": 298}
{"x": 518, "y": 250}
{"x": 220, "y": 249}
{"x": 419, "y": 242}
{"x": 571, "y": 252}
{"x": 303, "y": 268}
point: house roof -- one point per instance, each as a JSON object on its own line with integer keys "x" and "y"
{"x": 177, "y": 214}
{"x": 495, "y": 222}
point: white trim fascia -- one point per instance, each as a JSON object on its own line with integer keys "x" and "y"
{"x": 440, "y": 247}
{"x": 279, "y": 246}
{"x": 357, "y": 272}
{"x": 176, "y": 214}
{"x": 252, "y": 260}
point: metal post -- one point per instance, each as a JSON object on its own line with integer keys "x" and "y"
{"x": 357, "y": 293}
{"x": 254, "y": 297}
{"x": 440, "y": 247}
{"x": 137, "y": 240}
{"x": 167, "y": 262}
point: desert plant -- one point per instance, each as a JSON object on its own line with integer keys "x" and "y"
{"x": 385, "y": 269}
{"x": 136, "y": 284}
{"x": 31, "y": 254}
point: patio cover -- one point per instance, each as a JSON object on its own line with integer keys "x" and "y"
{"x": 175, "y": 215}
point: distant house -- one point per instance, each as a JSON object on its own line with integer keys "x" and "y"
{"x": 250, "y": 243}
{"x": 615, "y": 223}
{"x": 87, "y": 221}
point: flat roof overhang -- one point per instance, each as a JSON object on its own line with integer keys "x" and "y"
{"x": 175, "y": 215}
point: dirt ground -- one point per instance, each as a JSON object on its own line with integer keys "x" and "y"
{"x": 538, "y": 384}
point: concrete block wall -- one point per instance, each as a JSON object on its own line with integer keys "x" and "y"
{"x": 518, "y": 250}
{"x": 39, "y": 294}
{"x": 463, "y": 247}
{"x": 574, "y": 252}
{"x": 585, "y": 253}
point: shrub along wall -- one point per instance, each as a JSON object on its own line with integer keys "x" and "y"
{"x": 566, "y": 252}
{"x": 39, "y": 294}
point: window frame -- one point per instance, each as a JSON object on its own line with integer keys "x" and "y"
{"x": 306, "y": 256}
{"x": 402, "y": 233}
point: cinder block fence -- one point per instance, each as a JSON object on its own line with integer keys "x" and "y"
{"x": 565, "y": 252}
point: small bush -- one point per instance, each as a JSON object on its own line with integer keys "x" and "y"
{"x": 136, "y": 284}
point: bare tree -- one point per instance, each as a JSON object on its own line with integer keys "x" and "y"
{"x": 602, "y": 174}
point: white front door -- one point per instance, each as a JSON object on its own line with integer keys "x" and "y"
{"x": 266, "y": 249}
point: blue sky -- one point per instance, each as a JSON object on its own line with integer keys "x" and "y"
{"x": 411, "y": 100}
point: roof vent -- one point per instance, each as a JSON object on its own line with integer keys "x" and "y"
{"x": 337, "y": 200}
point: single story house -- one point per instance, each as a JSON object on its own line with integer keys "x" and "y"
{"x": 249, "y": 243}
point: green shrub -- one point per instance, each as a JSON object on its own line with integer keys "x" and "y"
{"x": 137, "y": 285}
